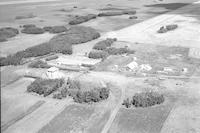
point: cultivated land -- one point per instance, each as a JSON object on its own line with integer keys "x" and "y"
{"x": 139, "y": 60}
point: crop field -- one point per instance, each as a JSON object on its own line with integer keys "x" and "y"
{"x": 140, "y": 120}
{"x": 69, "y": 120}
{"x": 14, "y": 106}
{"x": 98, "y": 124}
{"x": 20, "y": 113}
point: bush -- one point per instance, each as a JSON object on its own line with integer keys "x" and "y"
{"x": 104, "y": 44}
{"x": 25, "y": 16}
{"x": 82, "y": 19}
{"x": 55, "y": 29}
{"x": 167, "y": 28}
{"x": 77, "y": 35}
{"x": 129, "y": 12}
{"x": 116, "y": 13}
{"x": 162, "y": 30}
{"x": 97, "y": 54}
{"x": 51, "y": 58}
{"x": 39, "y": 64}
{"x": 104, "y": 93}
{"x": 28, "y": 25}
{"x": 133, "y": 17}
{"x": 3, "y": 39}
{"x": 171, "y": 27}
{"x": 45, "y": 86}
{"x": 146, "y": 99}
{"x": 127, "y": 103}
{"x": 94, "y": 95}
{"x": 32, "y": 30}
{"x": 119, "y": 51}
{"x": 7, "y": 32}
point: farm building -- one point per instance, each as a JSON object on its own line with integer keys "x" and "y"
{"x": 53, "y": 73}
{"x": 132, "y": 66}
{"x": 145, "y": 67}
{"x": 75, "y": 60}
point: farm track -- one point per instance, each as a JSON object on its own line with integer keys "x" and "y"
{"x": 114, "y": 113}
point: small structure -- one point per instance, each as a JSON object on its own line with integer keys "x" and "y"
{"x": 132, "y": 66}
{"x": 145, "y": 67}
{"x": 53, "y": 73}
{"x": 168, "y": 69}
{"x": 184, "y": 70}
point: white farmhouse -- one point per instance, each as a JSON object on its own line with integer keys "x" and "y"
{"x": 132, "y": 66}
{"x": 53, "y": 73}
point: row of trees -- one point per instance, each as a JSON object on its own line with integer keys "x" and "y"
{"x": 61, "y": 89}
{"x": 61, "y": 43}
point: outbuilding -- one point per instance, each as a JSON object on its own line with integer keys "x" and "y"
{"x": 53, "y": 73}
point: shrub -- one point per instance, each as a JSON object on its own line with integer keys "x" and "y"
{"x": 171, "y": 27}
{"x": 39, "y": 64}
{"x": 133, "y": 17}
{"x": 104, "y": 44}
{"x": 94, "y": 95}
{"x": 104, "y": 93}
{"x": 127, "y": 103}
{"x": 55, "y": 29}
{"x": 147, "y": 99}
{"x": 82, "y": 19}
{"x": 167, "y": 28}
{"x": 3, "y": 39}
{"x": 97, "y": 54}
{"x": 7, "y": 32}
{"x": 25, "y": 16}
{"x": 162, "y": 30}
{"x": 129, "y": 12}
{"x": 28, "y": 25}
{"x": 116, "y": 13}
{"x": 119, "y": 51}
{"x": 32, "y": 30}
{"x": 45, "y": 86}
{"x": 77, "y": 35}
{"x": 51, "y": 58}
